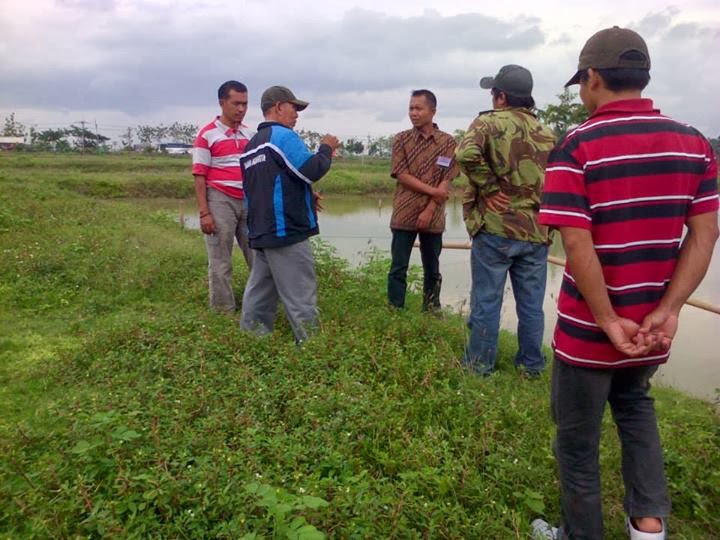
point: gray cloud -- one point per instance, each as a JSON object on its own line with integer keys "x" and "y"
{"x": 93, "y": 5}
{"x": 654, "y": 23}
{"x": 685, "y": 81}
{"x": 376, "y": 52}
{"x": 144, "y": 60}
{"x": 139, "y": 58}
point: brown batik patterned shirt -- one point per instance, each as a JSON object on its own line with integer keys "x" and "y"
{"x": 430, "y": 159}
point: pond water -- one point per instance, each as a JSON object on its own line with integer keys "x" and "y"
{"x": 355, "y": 226}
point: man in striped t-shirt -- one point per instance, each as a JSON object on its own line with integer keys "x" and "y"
{"x": 620, "y": 188}
{"x": 219, "y": 191}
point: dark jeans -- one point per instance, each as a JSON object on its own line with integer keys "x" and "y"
{"x": 578, "y": 399}
{"x": 400, "y": 249}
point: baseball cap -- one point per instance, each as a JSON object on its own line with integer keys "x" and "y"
{"x": 609, "y": 48}
{"x": 511, "y": 79}
{"x": 280, "y": 94}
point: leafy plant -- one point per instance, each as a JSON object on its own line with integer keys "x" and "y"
{"x": 129, "y": 410}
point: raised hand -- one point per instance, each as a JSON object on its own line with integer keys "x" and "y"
{"x": 331, "y": 140}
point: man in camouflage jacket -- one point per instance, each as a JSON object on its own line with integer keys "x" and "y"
{"x": 503, "y": 154}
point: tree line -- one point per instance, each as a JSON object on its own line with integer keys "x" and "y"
{"x": 84, "y": 138}
{"x": 371, "y": 146}
{"x": 561, "y": 116}
{"x": 147, "y": 138}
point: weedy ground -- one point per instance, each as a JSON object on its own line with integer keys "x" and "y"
{"x": 129, "y": 410}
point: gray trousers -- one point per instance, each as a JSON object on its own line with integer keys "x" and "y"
{"x": 286, "y": 273}
{"x": 578, "y": 403}
{"x": 230, "y": 217}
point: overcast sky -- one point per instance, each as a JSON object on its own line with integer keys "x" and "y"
{"x": 122, "y": 63}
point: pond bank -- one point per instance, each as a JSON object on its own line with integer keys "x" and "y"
{"x": 127, "y": 409}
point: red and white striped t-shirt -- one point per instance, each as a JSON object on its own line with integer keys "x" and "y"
{"x": 632, "y": 177}
{"x": 216, "y": 156}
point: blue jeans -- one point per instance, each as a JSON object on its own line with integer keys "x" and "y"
{"x": 491, "y": 259}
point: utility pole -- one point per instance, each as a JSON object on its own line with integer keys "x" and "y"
{"x": 82, "y": 127}
{"x": 97, "y": 138}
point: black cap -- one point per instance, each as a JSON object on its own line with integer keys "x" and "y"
{"x": 511, "y": 79}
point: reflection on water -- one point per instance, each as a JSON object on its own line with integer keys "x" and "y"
{"x": 356, "y": 225}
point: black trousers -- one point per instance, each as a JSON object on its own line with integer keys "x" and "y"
{"x": 578, "y": 403}
{"x": 400, "y": 250}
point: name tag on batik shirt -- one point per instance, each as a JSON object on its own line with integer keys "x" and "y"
{"x": 443, "y": 161}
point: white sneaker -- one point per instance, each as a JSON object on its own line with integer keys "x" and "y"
{"x": 642, "y": 535}
{"x": 542, "y": 530}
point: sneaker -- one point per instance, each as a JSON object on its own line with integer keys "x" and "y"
{"x": 542, "y": 530}
{"x": 642, "y": 535}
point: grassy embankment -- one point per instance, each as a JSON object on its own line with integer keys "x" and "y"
{"x": 127, "y": 409}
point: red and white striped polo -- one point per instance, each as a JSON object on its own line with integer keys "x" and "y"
{"x": 216, "y": 155}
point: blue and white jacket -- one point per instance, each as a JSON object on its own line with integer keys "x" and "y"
{"x": 279, "y": 173}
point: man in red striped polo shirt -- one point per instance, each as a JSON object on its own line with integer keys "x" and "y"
{"x": 219, "y": 191}
{"x": 620, "y": 188}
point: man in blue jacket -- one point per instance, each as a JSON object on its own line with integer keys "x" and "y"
{"x": 279, "y": 173}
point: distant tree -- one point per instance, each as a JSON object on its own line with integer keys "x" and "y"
{"x": 52, "y": 139}
{"x": 127, "y": 140}
{"x": 459, "y": 134}
{"x": 353, "y": 146}
{"x": 146, "y": 135}
{"x": 151, "y": 137}
{"x": 311, "y": 139}
{"x": 715, "y": 143}
{"x": 380, "y": 146}
{"x": 161, "y": 133}
{"x": 32, "y": 136}
{"x": 181, "y": 132}
{"x": 565, "y": 115}
{"x": 84, "y": 139}
{"x": 13, "y": 128}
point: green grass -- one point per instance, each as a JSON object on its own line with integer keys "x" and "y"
{"x": 128, "y": 410}
{"x": 362, "y": 175}
{"x": 151, "y": 175}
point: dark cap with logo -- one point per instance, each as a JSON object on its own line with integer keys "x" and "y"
{"x": 280, "y": 94}
{"x": 612, "y": 48}
{"x": 511, "y": 79}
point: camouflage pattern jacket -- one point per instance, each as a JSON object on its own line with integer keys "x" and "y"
{"x": 505, "y": 150}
